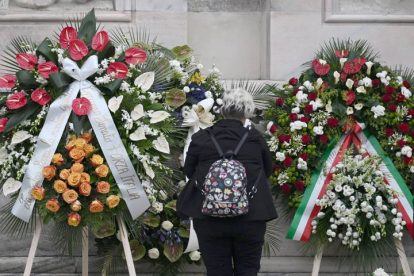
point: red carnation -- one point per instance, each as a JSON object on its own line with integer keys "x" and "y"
{"x": 376, "y": 83}
{"x": 16, "y": 100}
{"x": 295, "y": 92}
{"x": 344, "y": 76}
{"x": 300, "y": 185}
{"x": 81, "y": 106}
{"x": 400, "y": 97}
{"x": 276, "y": 168}
{"x": 304, "y": 156}
{"x": 361, "y": 61}
{"x": 100, "y": 40}
{"x": 410, "y": 112}
{"x": 306, "y": 139}
{"x": 286, "y": 188}
{"x": 322, "y": 69}
{"x": 41, "y": 96}
{"x": 77, "y": 49}
{"x": 404, "y": 127}
{"x": 293, "y": 116}
{"x": 389, "y": 89}
{"x": 47, "y": 68}
{"x": 401, "y": 143}
{"x": 352, "y": 67}
{"x": 349, "y": 97}
{"x": 26, "y": 61}
{"x": 293, "y": 81}
{"x": 3, "y": 123}
{"x": 389, "y": 132}
{"x": 280, "y": 101}
{"x": 135, "y": 56}
{"x": 308, "y": 108}
{"x": 407, "y": 84}
{"x": 117, "y": 70}
{"x": 288, "y": 161}
{"x": 273, "y": 129}
{"x": 304, "y": 119}
{"x": 7, "y": 81}
{"x": 392, "y": 108}
{"x": 66, "y": 36}
{"x": 312, "y": 96}
{"x": 408, "y": 161}
{"x": 332, "y": 122}
{"x": 342, "y": 54}
{"x": 386, "y": 98}
{"x": 323, "y": 138}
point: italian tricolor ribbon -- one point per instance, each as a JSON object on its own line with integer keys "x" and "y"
{"x": 301, "y": 227}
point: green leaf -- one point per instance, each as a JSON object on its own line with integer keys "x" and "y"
{"x": 78, "y": 122}
{"x": 184, "y": 233}
{"x": 149, "y": 219}
{"x": 338, "y": 108}
{"x": 107, "y": 52}
{"x": 107, "y": 229}
{"x": 173, "y": 253}
{"x": 59, "y": 80}
{"x": 109, "y": 88}
{"x": 26, "y": 79}
{"x": 45, "y": 49}
{"x": 172, "y": 205}
{"x": 21, "y": 115}
{"x": 88, "y": 27}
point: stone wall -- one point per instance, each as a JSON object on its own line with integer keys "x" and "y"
{"x": 251, "y": 39}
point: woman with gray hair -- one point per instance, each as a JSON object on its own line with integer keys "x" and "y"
{"x": 230, "y": 234}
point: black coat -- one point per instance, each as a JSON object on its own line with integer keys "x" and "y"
{"x": 254, "y": 155}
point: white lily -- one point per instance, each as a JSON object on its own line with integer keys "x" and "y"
{"x": 328, "y": 106}
{"x": 114, "y": 103}
{"x": 161, "y": 144}
{"x": 359, "y": 106}
{"x": 349, "y": 83}
{"x": 138, "y": 134}
{"x": 361, "y": 89}
{"x": 138, "y": 112}
{"x": 159, "y": 116}
{"x": 369, "y": 65}
{"x": 336, "y": 76}
{"x": 342, "y": 61}
{"x": 319, "y": 82}
{"x": 349, "y": 111}
{"x": 145, "y": 81}
{"x": 20, "y": 136}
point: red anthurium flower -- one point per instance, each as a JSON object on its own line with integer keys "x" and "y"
{"x": 332, "y": 122}
{"x": 352, "y": 67}
{"x": 315, "y": 62}
{"x": 401, "y": 143}
{"x": 7, "y": 81}
{"x": 135, "y": 56}
{"x": 400, "y": 97}
{"x": 100, "y": 40}
{"x": 344, "y": 76}
{"x": 361, "y": 61}
{"x": 404, "y": 127}
{"x": 26, "y": 61}
{"x": 376, "y": 83}
{"x": 293, "y": 81}
{"x": 389, "y": 132}
{"x": 66, "y": 36}
{"x": 16, "y": 100}
{"x": 81, "y": 106}
{"x": 300, "y": 185}
{"x": 392, "y": 108}
{"x": 342, "y": 54}
{"x": 286, "y": 188}
{"x": 322, "y": 69}
{"x": 349, "y": 97}
{"x": 3, "y": 123}
{"x": 117, "y": 70}
{"x": 77, "y": 49}
{"x": 407, "y": 84}
{"x": 47, "y": 68}
{"x": 41, "y": 96}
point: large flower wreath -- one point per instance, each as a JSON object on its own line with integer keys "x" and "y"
{"x": 344, "y": 98}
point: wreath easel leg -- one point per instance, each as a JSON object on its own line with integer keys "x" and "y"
{"x": 317, "y": 262}
{"x": 127, "y": 248}
{"x": 33, "y": 248}
{"x": 403, "y": 257}
{"x": 85, "y": 251}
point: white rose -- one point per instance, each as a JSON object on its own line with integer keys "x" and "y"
{"x": 406, "y": 150}
{"x": 378, "y": 111}
{"x": 280, "y": 156}
{"x": 412, "y": 169}
{"x": 296, "y": 110}
{"x": 186, "y": 89}
{"x": 297, "y": 125}
{"x": 195, "y": 255}
{"x": 349, "y": 83}
{"x": 406, "y": 92}
{"x": 316, "y": 104}
{"x": 318, "y": 130}
{"x": 367, "y": 82}
{"x": 167, "y": 225}
{"x": 200, "y": 66}
{"x": 359, "y": 106}
{"x": 301, "y": 97}
{"x": 153, "y": 253}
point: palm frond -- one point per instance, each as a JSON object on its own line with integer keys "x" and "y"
{"x": 19, "y": 44}
{"x": 161, "y": 67}
{"x": 12, "y": 225}
{"x": 131, "y": 36}
{"x": 67, "y": 238}
{"x": 272, "y": 239}
{"x": 405, "y": 72}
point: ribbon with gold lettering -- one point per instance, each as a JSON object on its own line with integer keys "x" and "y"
{"x": 105, "y": 130}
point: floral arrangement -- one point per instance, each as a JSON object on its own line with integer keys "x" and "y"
{"x": 343, "y": 85}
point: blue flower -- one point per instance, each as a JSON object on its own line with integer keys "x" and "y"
{"x": 197, "y": 91}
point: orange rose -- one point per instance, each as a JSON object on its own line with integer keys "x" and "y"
{"x": 112, "y": 201}
{"x": 49, "y": 172}
{"x": 103, "y": 187}
{"x": 70, "y": 145}
{"x": 87, "y": 136}
{"x": 70, "y": 196}
{"x": 96, "y": 206}
{"x": 79, "y": 143}
{"x": 74, "y": 179}
{"x": 97, "y": 160}
{"x": 77, "y": 155}
{"x": 74, "y": 219}
{"x": 76, "y": 206}
{"x": 85, "y": 177}
{"x": 60, "y": 186}
{"x": 64, "y": 174}
{"x": 72, "y": 137}
{"x": 57, "y": 159}
{"x": 76, "y": 168}
{"x": 38, "y": 193}
{"x": 102, "y": 170}
{"x": 85, "y": 188}
{"x": 52, "y": 205}
{"x": 88, "y": 148}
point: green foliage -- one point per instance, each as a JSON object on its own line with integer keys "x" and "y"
{"x": 19, "y": 44}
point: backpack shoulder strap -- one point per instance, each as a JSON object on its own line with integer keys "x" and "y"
{"x": 216, "y": 144}
{"x": 236, "y": 151}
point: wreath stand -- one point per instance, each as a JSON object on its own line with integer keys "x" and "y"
{"x": 85, "y": 248}
{"x": 401, "y": 254}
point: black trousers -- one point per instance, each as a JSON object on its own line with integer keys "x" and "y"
{"x": 229, "y": 246}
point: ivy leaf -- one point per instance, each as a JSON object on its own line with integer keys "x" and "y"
{"x": 21, "y": 115}
{"x": 174, "y": 252}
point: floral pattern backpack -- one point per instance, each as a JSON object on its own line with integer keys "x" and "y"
{"x": 225, "y": 185}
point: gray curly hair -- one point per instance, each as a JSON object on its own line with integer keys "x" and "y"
{"x": 237, "y": 104}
